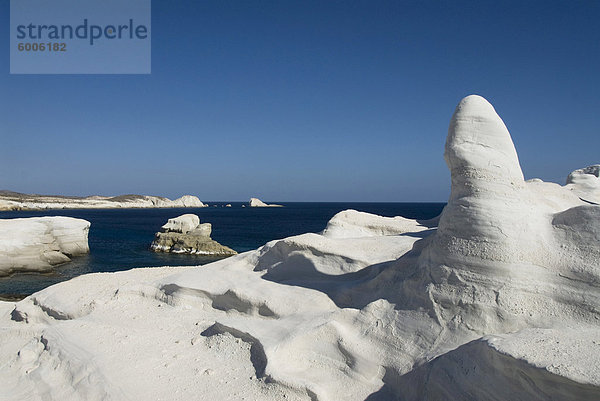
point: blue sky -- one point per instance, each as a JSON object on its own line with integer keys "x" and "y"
{"x": 308, "y": 100}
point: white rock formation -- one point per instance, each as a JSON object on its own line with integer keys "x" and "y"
{"x": 354, "y": 224}
{"x": 188, "y": 201}
{"x": 38, "y": 243}
{"x": 182, "y": 224}
{"x": 185, "y": 234}
{"x": 585, "y": 183}
{"x": 501, "y": 301}
{"x": 17, "y": 201}
{"x": 255, "y": 202}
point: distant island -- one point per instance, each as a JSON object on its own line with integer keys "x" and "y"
{"x": 255, "y": 202}
{"x": 17, "y": 201}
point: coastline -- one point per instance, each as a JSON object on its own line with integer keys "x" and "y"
{"x": 369, "y": 307}
{"x": 14, "y": 201}
{"x": 120, "y": 238}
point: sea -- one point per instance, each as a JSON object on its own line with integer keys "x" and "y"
{"x": 120, "y": 239}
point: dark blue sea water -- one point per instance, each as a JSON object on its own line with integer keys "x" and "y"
{"x": 120, "y": 238}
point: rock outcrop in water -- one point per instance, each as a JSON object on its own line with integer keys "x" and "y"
{"x": 185, "y": 234}
{"x": 500, "y": 301}
{"x": 255, "y": 202}
{"x": 17, "y": 201}
{"x": 37, "y": 244}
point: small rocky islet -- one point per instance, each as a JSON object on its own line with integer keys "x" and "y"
{"x": 186, "y": 235}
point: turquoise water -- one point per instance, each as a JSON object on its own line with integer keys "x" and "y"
{"x": 120, "y": 238}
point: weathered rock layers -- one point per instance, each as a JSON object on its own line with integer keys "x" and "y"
{"x": 500, "y": 301}
{"x": 16, "y": 201}
{"x": 38, "y": 243}
{"x": 185, "y": 234}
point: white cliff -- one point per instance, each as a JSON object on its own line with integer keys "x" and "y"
{"x": 16, "y": 201}
{"x": 37, "y": 244}
{"x": 500, "y": 301}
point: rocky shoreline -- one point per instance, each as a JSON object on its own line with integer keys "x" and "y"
{"x": 17, "y": 201}
{"x": 499, "y": 299}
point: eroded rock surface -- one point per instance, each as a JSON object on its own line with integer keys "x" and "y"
{"x": 185, "y": 234}
{"x": 37, "y": 244}
{"x": 17, "y": 201}
{"x": 500, "y": 300}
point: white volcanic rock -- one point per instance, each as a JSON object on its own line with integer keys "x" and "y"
{"x": 501, "y": 301}
{"x": 39, "y": 243}
{"x": 185, "y": 234}
{"x": 507, "y": 254}
{"x": 484, "y": 209}
{"x": 354, "y": 224}
{"x": 531, "y": 364}
{"x": 255, "y": 202}
{"x": 493, "y": 214}
{"x": 17, "y": 201}
{"x": 188, "y": 201}
{"x": 182, "y": 224}
{"x": 310, "y": 256}
{"x": 585, "y": 183}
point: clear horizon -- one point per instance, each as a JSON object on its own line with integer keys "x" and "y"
{"x": 308, "y": 101}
